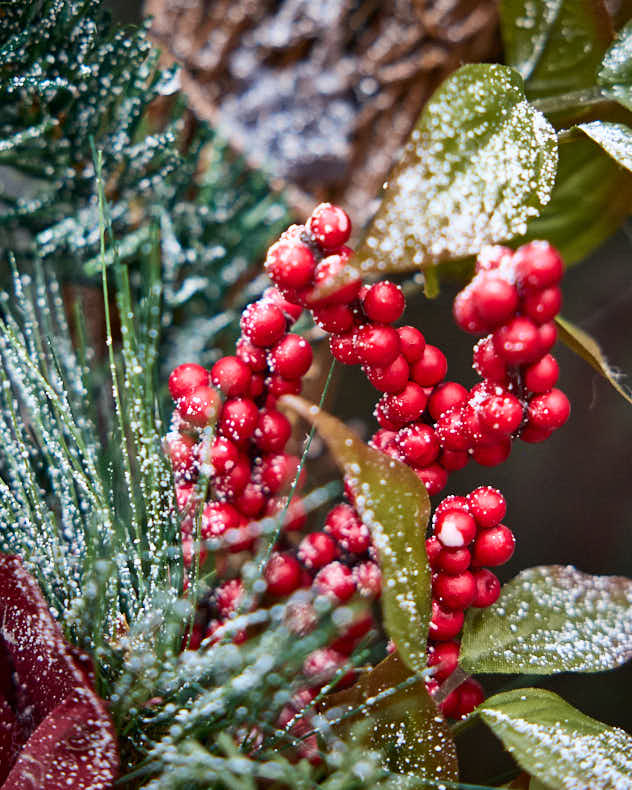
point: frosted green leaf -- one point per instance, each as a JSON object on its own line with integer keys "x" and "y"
{"x": 399, "y": 712}
{"x": 556, "y": 743}
{"x": 556, "y": 45}
{"x": 552, "y": 619}
{"x": 588, "y": 349}
{"x": 615, "y": 77}
{"x": 478, "y": 165}
{"x": 614, "y": 138}
{"x": 394, "y": 505}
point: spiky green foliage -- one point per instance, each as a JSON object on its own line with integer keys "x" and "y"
{"x": 68, "y": 75}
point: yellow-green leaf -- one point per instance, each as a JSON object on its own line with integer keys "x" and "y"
{"x": 588, "y": 349}
{"x": 405, "y": 723}
{"x": 394, "y": 504}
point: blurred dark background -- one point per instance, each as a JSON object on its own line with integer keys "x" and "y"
{"x": 570, "y": 498}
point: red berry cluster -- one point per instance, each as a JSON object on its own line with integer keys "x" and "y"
{"x": 467, "y": 535}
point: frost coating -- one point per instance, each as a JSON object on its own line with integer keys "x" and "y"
{"x": 480, "y": 163}
{"x": 552, "y": 619}
{"x": 614, "y": 138}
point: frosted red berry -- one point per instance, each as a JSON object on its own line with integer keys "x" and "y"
{"x": 454, "y": 591}
{"x": 263, "y": 323}
{"x": 377, "y": 345}
{"x": 454, "y": 528}
{"x": 495, "y": 299}
{"x": 405, "y": 406}
{"x": 282, "y": 574}
{"x": 273, "y": 431}
{"x": 444, "y": 623}
{"x": 317, "y": 550}
{"x": 444, "y": 657}
{"x": 434, "y": 477}
{"x": 391, "y": 378}
{"x": 493, "y": 546}
{"x": 538, "y": 265}
{"x": 336, "y": 318}
{"x": 487, "y": 505}
{"x": 518, "y": 342}
{"x": 501, "y": 414}
{"x": 453, "y": 561}
{"x": 186, "y": 378}
{"x": 330, "y": 226}
{"x": 431, "y": 368}
{"x": 383, "y": 302}
{"x": 291, "y": 357}
{"x": 200, "y": 406}
{"x": 238, "y": 419}
{"x": 335, "y": 580}
{"x": 368, "y": 579}
{"x": 232, "y": 376}
{"x": 346, "y": 528}
{"x": 445, "y": 396}
{"x": 542, "y": 306}
{"x": 541, "y": 376}
{"x": 487, "y": 588}
{"x": 549, "y": 411}
{"x": 290, "y": 263}
{"x": 412, "y": 343}
{"x": 418, "y": 444}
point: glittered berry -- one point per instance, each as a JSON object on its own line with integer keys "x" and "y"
{"x": 278, "y": 386}
{"x": 346, "y": 528}
{"x": 445, "y": 396}
{"x": 487, "y": 588}
{"x": 533, "y": 435}
{"x": 542, "y": 375}
{"x": 343, "y": 348}
{"x": 465, "y": 313}
{"x": 278, "y": 471}
{"x": 330, "y": 226}
{"x": 492, "y": 257}
{"x": 200, "y": 406}
{"x": 231, "y": 376}
{"x": 538, "y": 265}
{"x": 238, "y": 419}
{"x": 487, "y": 363}
{"x": 335, "y": 580}
{"x": 228, "y": 596}
{"x": 547, "y": 335}
{"x": 454, "y": 591}
{"x": 391, "y": 378}
{"x": 444, "y": 623}
{"x": 487, "y": 505}
{"x": 518, "y": 342}
{"x": 186, "y": 378}
{"x": 282, "y": 575}
{"x": 383, "y": 302}
{"x": 317, "y": 550}
{"x": 542, "y": 306}
{"x": 405, "y": 406}
{"x": 412, "y": 343}
{"x": 444, "y": 656}
{"x": 493, "y": 546}
{"x": 452, "y": 430}
{"x": 218, "y": 518}
{"x": 290, "y": 309}
{"x": 251, "y": 501}
{"x": 181, "y": 450}
{"x": 336, "y": 318}
{"x": 549, "y": 411}
{"x": 233, "y": 481}
{"x": 433, "y": 550}
{"x": 291, "y": 357}
{"x": 495, "y": 299}
{"x": 470, "y": 695}
{"x": 224, "y": 455}
{"x": 368, "y": 579}
{"x": 253, "y": 356}
{"x": 377, "y": 345}
{"x": 453, "y": 560}
{"x": 290, "y": 264}
{"x": 501, "y": 414}
{"x": 418, "y": 444}
{"x": 434, "y": 477}
{"x": 492, "y": 454}
{"x": 453, "y": 460}
{"x": 335, "y": 282}
{"x": 273, "y": 431}
{"x": 454, "y": 528}
{"x": 263, "y": 323}
{"x": 431, "y": 368}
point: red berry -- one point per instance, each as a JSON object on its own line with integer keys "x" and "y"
{"x": 501, "y": 415}
{"x": 487, "y": 588}
{"x": 377, "y": 345}
{"x": 278, "y": 386}
{"x": 334, "y": 281}
{"x": 291, "y": 357}
{"x": 383, "y": 440}
{"x": 290, "y": 263}
{"x": 454, "y": 560}
{"x": 518, "y": 342}
{"x": 492, "y": 454}
{"x": 253, "y": 356}
{"x": 450, "y": 705}
{"x": 412, "y": 343}
{"x": 343, "y": 348}
{"x": 433, "y": 550}
{"x": 434, "y": 477}
{"x": 316, "y": 550}
{"x": 263, "y": 323}
{"x": 295, "y": 515}
{"x": 189, "y": 549}
{"x": 392, "y": 378}
{"x": 251, "y": 501}
{"x": 384, "y": 302}
{"x": 184, "y": 494}
{"x": 232, "y": 482}
{"x": 238, "y": 419}
{"x": 181, "y": 449}
{"x": 322, "y": 664}
{"x": 487, "y": 363}
{"x": 547, "y": 334}
{"x": 368, "y": 579}
{"x": 451, "y": 502}
{"x": 445, "y": 396}
{"x": 431, "y": 368}
{"x": 381, "y": 416}
{"x": 405, "y": 406}
{"x": 549, "y": 411}
{"x": 227, "y": 596}
{"x": 454, "y": 528}
{"x": 335, "y": 580}
{"x": 493, "y": 256}
{"x": 487, "y": 505}
{"x": 231, "y": 376}
{"x": 453, "y": 460}
{"x": 542, "y": 306}
{"x": 444, "y": 656}
{"x": 495, "y": 299}
{"x": 224, "y": 455}
{"x": 470, "y": 695}
{"x": 200, "y": 406}
{"x": 541, "y": 376}
{"x": 336, "y": 318}
{"x": 444, "y": 623}
{"x": 454, "y": 591}
{"x": 418, "y": 443}
{"x": 534, "y": 435}
{"x": 186, "y": 378}
{"x": 330, "y": 226}
{"x": 452, "y": 430}
{"x": 217, "y": 518}
{"x": 291, "y": 309}
{"x": 538, "y": 265}
{"x": 282, "y": 575}
{"x": 465, "y": 312}
{"x": 273, "y": 431}
{"x": 278, "y": 471}
{"x": 346, "y": 528}
{"x": 493, "y": 546}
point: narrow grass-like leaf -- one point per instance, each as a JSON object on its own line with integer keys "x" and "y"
{"x": 394, "y": 505}
{"x": 551, "y": 619}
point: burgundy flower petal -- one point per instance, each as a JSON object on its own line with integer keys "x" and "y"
{"x": 52, "y": 724}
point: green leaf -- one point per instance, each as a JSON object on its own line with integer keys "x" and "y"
{"x": 614, "y": 138}
{"x": 394, "y": 505}
{"x": 552, "y": 619}
{"x": 402, "y": 714}
{"x": 615, "y": 77}
{"x": 591, "y": 198}
{"x": 558, "y": 744}
{"x": 588, "y": 349}
{"x": 556, "y": 45}
{"x": 479, "y": 163}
